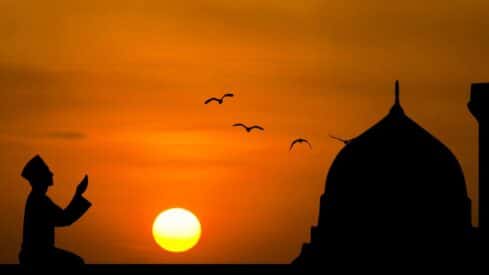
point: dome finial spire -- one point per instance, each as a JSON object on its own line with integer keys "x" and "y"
{"x": 397, "y": 102}
{"x": 396, "y": 108}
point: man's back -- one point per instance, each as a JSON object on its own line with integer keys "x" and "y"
{"x": 38, "y": 231}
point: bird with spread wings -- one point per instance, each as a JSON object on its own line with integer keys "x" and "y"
{"x": 218, "y": 100}
{"x": 345, "y": 141}
{"x": 248, "y": 129}
{"x": 299, "y": 140}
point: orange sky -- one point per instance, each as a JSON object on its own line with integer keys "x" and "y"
{"x": 115, "y": 89}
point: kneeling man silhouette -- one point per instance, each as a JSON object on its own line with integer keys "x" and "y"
{"x": 42, "y": 215}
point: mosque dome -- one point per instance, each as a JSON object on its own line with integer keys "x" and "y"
{"x": 393, "y": 185}
{"x": 397, "y": 174}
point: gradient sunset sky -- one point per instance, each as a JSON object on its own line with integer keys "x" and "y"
{"x": 115, "y": 89}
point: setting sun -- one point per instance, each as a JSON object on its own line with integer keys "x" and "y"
{"x": 176, "y": 230}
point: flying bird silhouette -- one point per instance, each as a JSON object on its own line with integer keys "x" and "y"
{"x": 248, "y": 129}
{"x": 219, "y": 100}
{"x": 299, "y": 140}
{"x": 345, "y": 141}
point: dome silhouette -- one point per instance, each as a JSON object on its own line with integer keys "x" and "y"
{"x": 394, "y": 187}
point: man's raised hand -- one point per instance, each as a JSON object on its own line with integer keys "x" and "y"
{"x": 82, "y": 187}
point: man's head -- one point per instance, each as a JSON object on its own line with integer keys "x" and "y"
{"x": 38, "y": 174}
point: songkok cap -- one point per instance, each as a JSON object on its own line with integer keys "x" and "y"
{"x": 35, "y": 167}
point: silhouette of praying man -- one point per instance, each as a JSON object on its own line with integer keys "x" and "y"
{"x": 42, "y": 215}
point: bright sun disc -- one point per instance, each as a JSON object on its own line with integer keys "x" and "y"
{"x": 176, "y": 230}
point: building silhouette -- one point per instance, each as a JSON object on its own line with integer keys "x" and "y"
{"x": 479, "y": 101}
{"x": 396, "y": 192}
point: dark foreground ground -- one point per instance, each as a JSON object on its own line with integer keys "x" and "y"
{"x": 258, "y": 269}
{"x": 168, "y": 269}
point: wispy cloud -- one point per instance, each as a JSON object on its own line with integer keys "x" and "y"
{"x": 66, "y": 135}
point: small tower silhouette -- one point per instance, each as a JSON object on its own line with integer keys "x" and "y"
{"x": 479, "y": 107}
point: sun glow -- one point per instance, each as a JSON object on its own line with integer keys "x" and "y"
{"x": 176, "y": 230}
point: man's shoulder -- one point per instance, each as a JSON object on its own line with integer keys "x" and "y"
{"x": 37, "y": 198}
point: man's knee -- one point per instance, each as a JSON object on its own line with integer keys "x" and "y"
{"x": 64, "y": 257}
{"x": 53, "y": 259}
{"x": 77, "y": 260}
